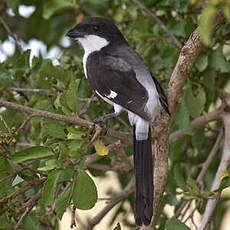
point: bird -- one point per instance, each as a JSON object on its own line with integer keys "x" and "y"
{"x": 119, "y": 76}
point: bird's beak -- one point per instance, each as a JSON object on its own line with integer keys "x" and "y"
{"x": 74, "y": 33}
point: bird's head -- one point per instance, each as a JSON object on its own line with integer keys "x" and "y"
{"x": 94, "y": 31}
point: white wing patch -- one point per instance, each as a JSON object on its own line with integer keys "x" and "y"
{"x": 112, "y": 94}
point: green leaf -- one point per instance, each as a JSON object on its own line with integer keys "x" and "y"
{"x": 47, "y": 72}
{"x": 5, "y": 222}
{"x": 54, "y": 129}
{"x": 176, "y": 152}
{"x": 32, "y": 153}
{"x": 226, "y": 11}
{"x": 6, "y": 79}
{"x": 84, "y": 191}
{"x": 178, "y": 28}
{"x": 202, "y": 62}
{"x": 218, "y": 62}
{"x": 206, "y": 194}
{"x": 225, "y": 183}
{"x": 32, "y": 222}
{"x": 183, "y": 120}
{"x": 193, "y": 186}
{"x": 174, "y": 224}
{"x": 178, "y": 176}
{"x": 22, "y": 63}
{"x": 198, "y": 138}
{"x": 49, "y": 165}
{"x": 76, "y": 149}
{"x": 118, "y": 227}
{"x": 49, "y": 188}
{"x": 63, "y": 201}
{"x": 13, "y": 4}
{"x": 51, "y": 6}
{"x": 195, "y": 104}
{"x": 190, "y": 196}
{"x": 71, "y": 95}
{"x": 206, "y": 22}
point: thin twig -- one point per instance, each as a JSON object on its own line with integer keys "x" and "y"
{"x": 127, "y": 190}
{"x": 208, "y": 161}
{"x": 98, "y": 131}
{"x": 158, "y": 21}
{"x": 180, "y": 209}
{"x": 211, "y": 204}
{"x": 186, "y": 208}
{"x": 87, "y": 104}
{"x": 5, "y": 124}
{"x": 192, "y": 212}
{"x": 28, "y": 207}
{"x": 204, "y": 169}
{"x": 42, "y": 91}
{"x": 124, "y": 123}
{"x": 25, "y": 122}
{"x": 23, "y": 189}
{"x": 10, "y": 33}
{"x": 197, "y": 123}
{"x": 91, "y": 159}
{"x": 73, "y": 222}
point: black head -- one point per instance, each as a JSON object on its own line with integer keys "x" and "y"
{"x": 101, "y": 27}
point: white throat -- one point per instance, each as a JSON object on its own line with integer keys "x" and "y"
{"x": 91, "y": 43}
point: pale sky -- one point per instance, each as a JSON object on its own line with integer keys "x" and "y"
{"x": 7, "y": 48}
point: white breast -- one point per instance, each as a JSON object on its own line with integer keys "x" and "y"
{"x": 91, "y": 43}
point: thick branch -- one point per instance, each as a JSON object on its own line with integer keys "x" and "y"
{"x": 186, "y": 60}
{"x": 211, "y": 204}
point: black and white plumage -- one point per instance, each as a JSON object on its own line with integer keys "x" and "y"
{"x": 118, "y": 75}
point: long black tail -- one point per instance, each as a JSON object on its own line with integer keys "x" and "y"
{"x": 143, "y": 166}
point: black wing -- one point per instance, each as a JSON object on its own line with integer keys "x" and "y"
{"x": 162, "y": 97}
{"x": 108, "y": 73}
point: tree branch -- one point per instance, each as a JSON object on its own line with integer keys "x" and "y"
{"x": 28, "y": 207}
{"x": 186, "y": 60}
{"x": 127, "y": 190}
{"x": 208, "y": 161}
{"x": 124, "y": 137}
{"x": 10, "y": 33}
{"x": 211, "y": 204}
{"x": 23, "y": 189}
{"x": 40, "y": 113}
{"x": 202, "y": 173}
{"x": 5, "y": 124}
{"x": 27, "y": 90}
{"x": 197, "y": 123}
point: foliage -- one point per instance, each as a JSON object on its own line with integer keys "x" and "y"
{"x": 46, "y": 159}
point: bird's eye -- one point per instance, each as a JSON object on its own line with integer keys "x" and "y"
{"x": 95, "y": 28}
